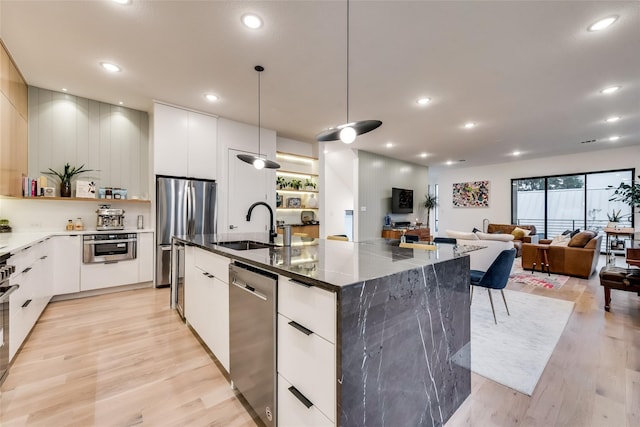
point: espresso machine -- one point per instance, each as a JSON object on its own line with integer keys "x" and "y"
{"x": 110, "y": 219}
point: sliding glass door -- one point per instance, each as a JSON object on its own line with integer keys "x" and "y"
{"x": 558, "y": 203}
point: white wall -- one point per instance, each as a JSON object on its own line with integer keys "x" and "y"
{"x": 36, "y": 214}
{"x": 338, "y": 186}
{"x": 110, "y": 139}
{"x": 500, "y": 175}
{"x": 286, "y": 145}
{"x": 377, "y": 175}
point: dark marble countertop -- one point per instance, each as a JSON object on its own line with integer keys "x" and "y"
{"x": 330, "y": 264}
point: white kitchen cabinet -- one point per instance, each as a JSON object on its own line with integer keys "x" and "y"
{"x": 145, "y": 257}
{"x": 207, "y": 300}
{"x": 108, "y": 274}
{"x": 66, "y": 268}
{"x": 306, "y": 337}
{"x": 36, "y": 287}
{"x": 185, "y": 142}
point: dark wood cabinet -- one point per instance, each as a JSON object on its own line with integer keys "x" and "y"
{"x": 423, "y": 233}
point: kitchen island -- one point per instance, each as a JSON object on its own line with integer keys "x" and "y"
{"x": 401, "y": 324}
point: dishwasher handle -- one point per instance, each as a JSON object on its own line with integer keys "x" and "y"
{"x": 249, "y": 289}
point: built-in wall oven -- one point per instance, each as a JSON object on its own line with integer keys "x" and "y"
{"x": 5, "y": 291}
{"x": 100, "y": 248}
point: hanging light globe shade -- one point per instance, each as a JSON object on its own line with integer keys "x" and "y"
{"x": 348, "y": 135}
{"x": 258, "y": 164}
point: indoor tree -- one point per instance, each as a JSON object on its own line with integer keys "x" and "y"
{"x": 429, "y": 203}
{"x": 628, "y": 194}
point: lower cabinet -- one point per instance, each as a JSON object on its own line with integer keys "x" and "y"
{"x": 307, "y": 377}
{"x": 66, "y": 268}
{"x": 145, "y": 257}
{"x": 206, "y": 301}
{"x": 36, "y": 289}
{"x": 106, "y": 275}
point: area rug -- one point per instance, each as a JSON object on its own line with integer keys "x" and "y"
{"x": 516, "y": 350}
{"x": 537, "y": 278}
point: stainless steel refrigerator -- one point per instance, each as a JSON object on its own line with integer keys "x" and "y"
{"x": 183, "y": 207}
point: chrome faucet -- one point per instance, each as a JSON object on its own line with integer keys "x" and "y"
{"x": 272, "y": 230}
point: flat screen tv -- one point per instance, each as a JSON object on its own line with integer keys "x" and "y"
{"x": 401, "y": 201}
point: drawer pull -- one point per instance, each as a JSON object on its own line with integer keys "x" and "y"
{"x": 26, "y": 303}
{"x": 204, "y": 273}
{"x": 26, "y": 270}
{"x": 297, "y": 282}
{"x": 301, "y": 328}
{"x": 306, "y": 402}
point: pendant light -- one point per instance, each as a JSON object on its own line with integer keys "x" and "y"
{"x": 258, "y": 162}
{"x": 348, "y": 132}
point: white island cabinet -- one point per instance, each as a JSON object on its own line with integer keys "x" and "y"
{"x": 185, "y": 142}
{"x": 306, "y": 355}
{"x": 206, "y": 300}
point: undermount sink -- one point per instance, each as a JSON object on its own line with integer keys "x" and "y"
{"x": 244, "y": 245}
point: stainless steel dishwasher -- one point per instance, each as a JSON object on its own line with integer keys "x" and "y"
{"x": 252, "y": 337}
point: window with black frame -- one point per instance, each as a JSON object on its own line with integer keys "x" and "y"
{"x": 558, "y": 203}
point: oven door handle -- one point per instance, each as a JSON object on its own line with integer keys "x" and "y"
{"x": 5, "y": 297}
{"x": 100, "y": 242}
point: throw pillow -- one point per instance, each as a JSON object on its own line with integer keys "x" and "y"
{"x": 498, "y": 237}
{"x": 565, "y": 232}
{"x": 574, "y": 232}
{"x": 461, "y": 235}
{"x": 561, "y": 240}
{"x": 519, "y": 233}
{"x": 581, "y": 239}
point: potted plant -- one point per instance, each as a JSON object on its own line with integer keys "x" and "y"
{"x": 296, "y": 184}
{"x": 429, "y": 203}
{"x": 281, "y": 182}
{"x": 65, "y": 177}
{"x": 309, "y": 184}
{"x": 614, "y": 217}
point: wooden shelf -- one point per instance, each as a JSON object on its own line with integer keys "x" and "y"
{"x": 294, "y": 173}
{"x": 298, "y": 191}
{"x": 86, "y": 199}
{"x": 293, "y": 156}
{"x": 297, "y": 209}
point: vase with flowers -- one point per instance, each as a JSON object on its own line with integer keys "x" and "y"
{"x": 65, "y": 177}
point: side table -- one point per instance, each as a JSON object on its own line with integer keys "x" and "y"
{"x": 622, "y": 232}
{"x": 542, "y": 255}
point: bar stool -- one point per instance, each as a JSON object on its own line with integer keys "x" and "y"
{"x": 542, "y": 255}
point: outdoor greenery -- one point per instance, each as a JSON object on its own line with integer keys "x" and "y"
{"x": 628, "y": 194}
{"x": 554, "y": 183}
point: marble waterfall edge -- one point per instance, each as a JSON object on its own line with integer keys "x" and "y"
{"x": 405, "y": 347}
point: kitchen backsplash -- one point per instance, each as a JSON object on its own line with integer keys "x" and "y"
{"x": 52, "y": 215}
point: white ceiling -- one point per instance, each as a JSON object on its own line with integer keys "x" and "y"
{"x": 528, "y": 73}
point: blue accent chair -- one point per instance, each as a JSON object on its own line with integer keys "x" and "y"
{"x": 496, "y": 277}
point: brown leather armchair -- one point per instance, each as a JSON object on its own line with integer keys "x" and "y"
{"x": 569, "y": 260}
{"x": 508, "y": 229}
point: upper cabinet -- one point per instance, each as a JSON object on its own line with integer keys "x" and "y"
{"x": 13, "y": 126}
{"x": 185, "y": 142}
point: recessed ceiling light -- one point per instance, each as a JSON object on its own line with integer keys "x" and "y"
{"x": 326, "y": 151}
{"x": 252, "y": 21}
{"x": 120, "y": 103}
{"x": 612, "y": 119}
{"x": 610, "y": 90}
{"x": 389, "y": 144}
{"x": 64, "y": 89}
{"x": 122, "y": 1}
{"x": 614, "y": 138}
{"x": 603, "y": 23}
{"x": 423, "y": 155}
{"x": 469, "y": 125}
{"x": 211, "y": 97}
{"x": 110, "y": 67}
{"x": 516, "y": 153}
{"x": 423, "y": 101}
{"x": 449, "y": 162}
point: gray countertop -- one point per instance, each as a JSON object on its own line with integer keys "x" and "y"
{"x": 330, "y": 264}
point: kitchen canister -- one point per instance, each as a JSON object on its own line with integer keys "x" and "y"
{"x": 140, "y": 222}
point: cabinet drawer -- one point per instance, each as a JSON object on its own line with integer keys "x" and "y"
{"x": 309, "y": 363}
{"x": 293, "y": 413}
{"x": 217, "y": 265}
{"x": 313, "y": 308}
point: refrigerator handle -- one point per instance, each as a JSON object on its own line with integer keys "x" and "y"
{"x": 187, "y": 195}
{"x": 192, "y": 219}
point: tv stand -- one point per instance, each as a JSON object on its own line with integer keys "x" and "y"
{"x": 423, "y": 233}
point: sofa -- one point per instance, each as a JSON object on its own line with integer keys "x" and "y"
{"x": 576, "y": 257}
{"x": 481, "y": 259}
{"x": 532, "y": 237}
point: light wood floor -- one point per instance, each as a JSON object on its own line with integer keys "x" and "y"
{"x": 122, "y": 359}
{"x": 125, "y": 359}
{"x": 592, "y": 378}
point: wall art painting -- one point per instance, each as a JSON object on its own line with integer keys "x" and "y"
{"x": 471, "y": 194}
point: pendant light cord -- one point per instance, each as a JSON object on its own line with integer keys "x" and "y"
{"x": 259, "y": 71}
{"x": 347, "y": 61}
